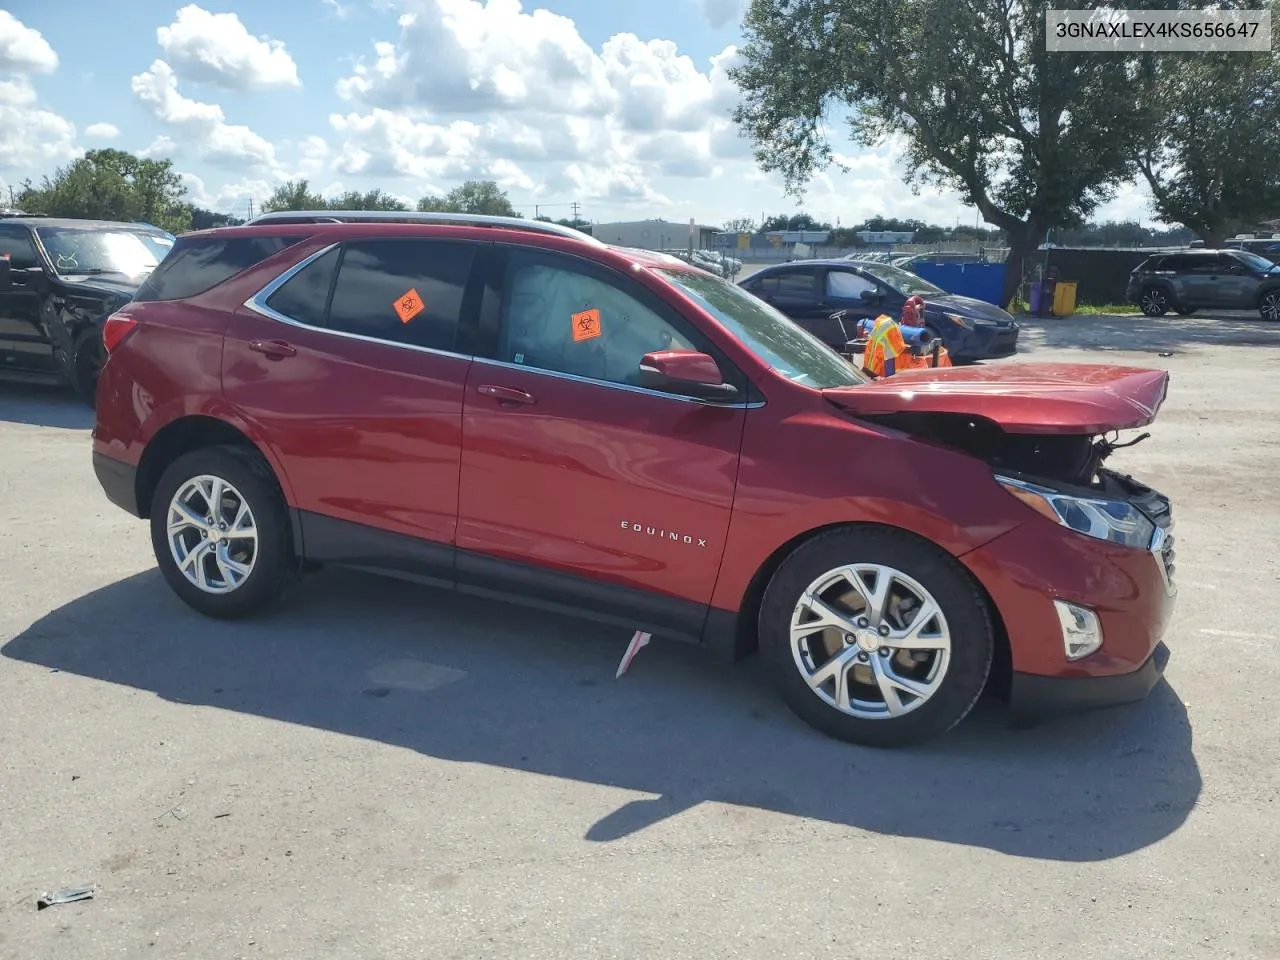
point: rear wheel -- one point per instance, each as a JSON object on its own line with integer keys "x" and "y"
{"x": 220, "y": 531}
{"x": 876, "y": 637}
{"x": 1154, "y": 301}
{"x": 87, "y": 357}
{"x": 1269, "y": 305}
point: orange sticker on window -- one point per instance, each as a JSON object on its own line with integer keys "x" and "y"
{"x": 586, "y": 324}
{"x": 409, "y": 306}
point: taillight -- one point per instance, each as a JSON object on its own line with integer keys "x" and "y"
{"x": 116, "y": 329}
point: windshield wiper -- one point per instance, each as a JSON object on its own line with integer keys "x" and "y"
{"x": 92, "y": 271}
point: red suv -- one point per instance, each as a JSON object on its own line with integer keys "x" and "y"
{"x": 516, "y": 410}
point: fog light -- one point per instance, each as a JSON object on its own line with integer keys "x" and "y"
{"x": 1081, "y": 631}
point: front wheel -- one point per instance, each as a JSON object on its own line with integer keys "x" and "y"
{"x": 876, "y": 637}
{"x": 1154, "y": 302}
{"x": 1269, "y": 305}
{"x": 220, "y": 531}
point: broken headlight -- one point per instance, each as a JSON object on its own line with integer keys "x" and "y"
{"x": 1115, "y": 521}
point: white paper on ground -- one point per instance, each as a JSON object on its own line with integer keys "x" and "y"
{"x": 640, "y": 639}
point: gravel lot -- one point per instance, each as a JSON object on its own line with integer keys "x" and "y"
{"x": 379, "y": 770}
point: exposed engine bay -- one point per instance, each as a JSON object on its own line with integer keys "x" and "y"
{"x": 1072, "y": 459}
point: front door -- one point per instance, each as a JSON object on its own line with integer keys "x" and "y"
{"x": 1236, "y": 282}
{"x": 23, "y": 343}
{"x": 608, "y": 497}
{"x": 354, "y": 369}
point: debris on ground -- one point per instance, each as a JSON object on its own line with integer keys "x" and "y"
{"x": 1167, "y": 354}
{"x": 69, "y": 895}
{"x": 640, "y": 639}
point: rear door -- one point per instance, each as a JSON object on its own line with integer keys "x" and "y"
{"x": 23, "y": 343}
{"x": 607, "y": 496}
{"x": 353, "y": 364}
{"x": 1237, "y": 284}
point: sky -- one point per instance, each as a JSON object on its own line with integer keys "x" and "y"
{"x": 621, "y": 107}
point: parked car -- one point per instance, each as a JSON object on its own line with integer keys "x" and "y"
{"x": 511, "y": 409}
{"x": 1206, "y": 280}
{"x": 811, "y": 291}
{"x": 58, "y": 281}
{"x": 1268, "y": 247}
{"x": 909, "y": 263}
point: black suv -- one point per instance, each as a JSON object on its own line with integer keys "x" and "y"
{"x": 1206, "y": 279}
{"x": 59, "y": 279}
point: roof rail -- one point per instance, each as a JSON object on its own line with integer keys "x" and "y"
{"x": 408, "y": 216}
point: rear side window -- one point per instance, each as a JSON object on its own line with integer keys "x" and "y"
{"x": 797, "y": 284}
{"x": 197, "y": 264}
{"x": 402, "y": 291}
{"x": 17, "y": 248}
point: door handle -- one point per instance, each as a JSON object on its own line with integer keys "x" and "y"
{"x": 506, "y": 395}
{"x": 273, "y": 349}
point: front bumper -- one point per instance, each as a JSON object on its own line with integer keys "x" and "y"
{"x": 118, "y": 480}
{"x": 1036, "y": 696}
{"x": 982, "y": 342}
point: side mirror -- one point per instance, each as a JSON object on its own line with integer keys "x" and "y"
{"x": 6, "y": 276}
{"x": 871, "y": 296}
{"x": 685, "y": 372}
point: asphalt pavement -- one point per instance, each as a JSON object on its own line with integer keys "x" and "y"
{"x": 382, "y": 770}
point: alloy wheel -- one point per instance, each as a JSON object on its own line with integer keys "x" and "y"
{"x": 212, "y": 534}
{"x": 870, "y": 641}
{"x": 1154, "y": 303}
{"x": 1270, "y": 307}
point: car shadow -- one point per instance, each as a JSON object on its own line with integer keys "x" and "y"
{"x": 43, "y": 406}
{"x": 462, "y": 679}
{"x": 1138, "y": 334}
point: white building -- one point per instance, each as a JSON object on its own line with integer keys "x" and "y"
{"x": 654, "y": 234}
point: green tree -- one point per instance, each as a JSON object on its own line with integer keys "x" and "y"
{"x": 294, "y": 195}
{"x": 1032, "y": 139}
{"x": 112, "y": 185}
{"x": 474, "y": 196}
{"x": 202, "y": 219}
{"x": 1211, "y": 156}
{"x": 372, "y": 200}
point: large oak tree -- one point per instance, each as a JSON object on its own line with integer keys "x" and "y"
{"x": 1032, "y": 139}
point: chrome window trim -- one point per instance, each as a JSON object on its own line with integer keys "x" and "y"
{"x": 258, "y": 304}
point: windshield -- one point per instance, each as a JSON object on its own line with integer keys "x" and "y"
{"x": 128, "y": 253}
{"x": 1261, "y": 264}
{"x": 778, "y": 341}
{"x": 901, "y": 280}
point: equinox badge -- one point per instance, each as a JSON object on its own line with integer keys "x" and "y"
{"x": 664, "y": 534}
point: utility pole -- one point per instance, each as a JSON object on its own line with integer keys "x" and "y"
{"x": 251, "y": 208}
{"x": 575, "y": 206}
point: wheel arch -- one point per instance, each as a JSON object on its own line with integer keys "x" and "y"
{"x": 181, "y": 436}
{"x": 734, "y": 636}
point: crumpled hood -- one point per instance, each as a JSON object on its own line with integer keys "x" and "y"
{"x": 1062, "y": 398}
{"x": 101, "y": 285}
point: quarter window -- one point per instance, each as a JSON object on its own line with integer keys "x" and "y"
{"x": 402, "y": 291}
{"x": 560, "y": 316}
{"x": 304, "y": 297}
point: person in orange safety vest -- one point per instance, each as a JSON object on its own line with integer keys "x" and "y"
{"x": 888, "y": 350}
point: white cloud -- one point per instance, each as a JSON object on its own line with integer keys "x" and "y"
{"x": 24, "y": 49}
{"x": 338, "y": 9}
{"x": 102, "y": 131}
{"x": 202, "y": 124}
{"x": 231, "y": 198}
{"x": 216, "y": 48}
{"x": 31, "y": 138}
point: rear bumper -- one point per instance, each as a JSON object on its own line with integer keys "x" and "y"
{"x": 1036, "y": 696}
{"x": 118, "y": 480}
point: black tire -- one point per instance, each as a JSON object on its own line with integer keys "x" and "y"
{"x": 958, "y": 596}
{"x": 1186, "y": 311}
{"x": 1154, "y": 301}
{"x": 274, "y": 564}
{"x": 1269, "y": 305}
{"x": 87, "y": 357}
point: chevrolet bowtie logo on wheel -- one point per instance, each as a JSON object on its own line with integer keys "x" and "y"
{"x": 663, "y": 534}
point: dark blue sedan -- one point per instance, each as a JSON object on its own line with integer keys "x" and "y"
{"x": 810, "y": 291}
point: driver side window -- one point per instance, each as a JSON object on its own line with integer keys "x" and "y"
{"x": 843, "y": 285}
{"x": 566, "y": 318}
{"x": 17, "y": 248}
